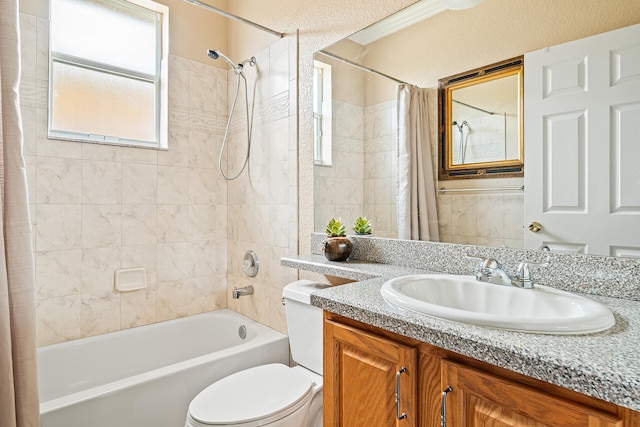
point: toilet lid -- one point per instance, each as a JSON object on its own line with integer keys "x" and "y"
{"x": 249, "y": 395}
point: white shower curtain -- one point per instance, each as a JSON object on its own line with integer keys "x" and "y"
{"x": 417, "y": 215}
{"x": 19, "y": 406}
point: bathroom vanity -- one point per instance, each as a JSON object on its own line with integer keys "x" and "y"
{"x": 492, "y": 377}
{"x": 365, "y": 365}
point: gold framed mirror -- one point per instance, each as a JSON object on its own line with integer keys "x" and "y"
{"x": 481, "y": 122}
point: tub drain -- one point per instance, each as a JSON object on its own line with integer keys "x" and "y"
{"x": 242, "y": 332}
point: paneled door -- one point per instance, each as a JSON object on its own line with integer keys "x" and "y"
{"x": 582, "y": 145}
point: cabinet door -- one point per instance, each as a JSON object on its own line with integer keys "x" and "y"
{"x": 480, "y": 399}
{"x": 361, "y": 372}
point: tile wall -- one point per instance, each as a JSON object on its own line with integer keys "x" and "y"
{"x": 362, "y": 180}
{"x": 482, "y": 219}
{"x": 96, "y": 208}
{"x": 339, "y": 188}
{"x": 381, "y": 168}
{"x": 262, "y": 202}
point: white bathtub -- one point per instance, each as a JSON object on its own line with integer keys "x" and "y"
{"x": 146, "y": 376}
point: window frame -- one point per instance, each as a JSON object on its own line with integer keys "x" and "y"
{"x": 323, "y": 144}
{"x": 159, "y": 79}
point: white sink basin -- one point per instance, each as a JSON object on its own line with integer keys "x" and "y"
{"x": 464, "y": 299}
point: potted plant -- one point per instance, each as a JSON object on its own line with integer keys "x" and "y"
{"x": 362, "y": 226}
{"x": 336, "y": 246}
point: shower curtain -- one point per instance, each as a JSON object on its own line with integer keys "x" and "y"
{"x": 417, "y": 216}
{"x": 19, "y": 406}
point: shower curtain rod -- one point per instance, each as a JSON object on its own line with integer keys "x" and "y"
{"x": 237, "y": 18}
{"x": 455, "y": 190}
{"x": 475, "y": 108}
{"x": 362, "y": 67}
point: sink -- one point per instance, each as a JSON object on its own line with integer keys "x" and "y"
{"x": 464, "y": 299}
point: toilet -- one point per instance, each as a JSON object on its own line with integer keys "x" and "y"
{"x": 273, "y": 395}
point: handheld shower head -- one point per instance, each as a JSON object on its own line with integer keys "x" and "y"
{"x": 215, "y": 54}
{"x": 460, "y": 125}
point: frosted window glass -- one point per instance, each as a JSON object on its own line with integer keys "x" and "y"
{"x": 90, "y": 102}
{"x": 108, "y": 32}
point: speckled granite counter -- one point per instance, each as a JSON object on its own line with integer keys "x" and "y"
{"x": 603, "y": 365}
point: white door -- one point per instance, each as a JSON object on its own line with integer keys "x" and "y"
{"x": 582, "y": 145}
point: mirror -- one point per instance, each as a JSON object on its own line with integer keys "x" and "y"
{"x": 361, "y": 180}
{"x": 480, "y": 128}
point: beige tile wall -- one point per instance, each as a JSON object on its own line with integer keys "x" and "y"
{"x": 339, "y": 188}
{"x": 381, "y": 168}
{"x": 96, "y": 208}
{"x": 262, "y": 202}
{"x": 482, "y": 219}
{"x": 362, "y": 179}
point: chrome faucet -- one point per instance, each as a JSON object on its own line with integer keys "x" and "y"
{"x": 491, "y": 271}
{"x": 239, "y": 292}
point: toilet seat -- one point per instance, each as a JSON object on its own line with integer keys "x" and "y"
{"x": 253, "y": 397}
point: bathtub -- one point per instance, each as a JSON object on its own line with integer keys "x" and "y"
{"x": 146, "y": 376}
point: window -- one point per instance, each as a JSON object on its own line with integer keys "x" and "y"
{"x": 322, "y": 113}
{"x": 108, "y": 78}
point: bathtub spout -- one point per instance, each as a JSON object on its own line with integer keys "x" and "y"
{"x": 239, "y": 292}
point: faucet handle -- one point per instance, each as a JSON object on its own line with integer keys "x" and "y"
{"x": 469, "y": 256}
{"x": 523, "y": 274}
{"x": 487, "y": 268}
{"x": 485, "y": 262}
{"x": 545, "y": 263}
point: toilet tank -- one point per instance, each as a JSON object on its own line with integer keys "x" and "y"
{"x": 304, "y": 323}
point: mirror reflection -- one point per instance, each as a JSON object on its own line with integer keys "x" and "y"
{"x": 481, "y": 122}
{"x": 483, "y": 132}
{"x": 363, "y": 176}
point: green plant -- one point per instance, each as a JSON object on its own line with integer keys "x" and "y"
{"x": 335, "y": 228}
{"x": 362, "y": 225}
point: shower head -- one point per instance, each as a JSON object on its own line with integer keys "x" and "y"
{"x": 215, "y": 54}
{"x": 460, "y": 125}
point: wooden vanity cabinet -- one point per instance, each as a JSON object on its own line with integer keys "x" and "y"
{"x": 361, "y": 365}
{"x": 481, "y": 399}
{"x": 363, "y": 374}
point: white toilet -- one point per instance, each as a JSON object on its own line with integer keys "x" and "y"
{"x": 273, "y": 395}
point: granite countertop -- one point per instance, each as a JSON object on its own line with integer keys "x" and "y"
{"x": 603, "y": 365}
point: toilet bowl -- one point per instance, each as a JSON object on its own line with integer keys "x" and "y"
{"x": 273, "y": 395}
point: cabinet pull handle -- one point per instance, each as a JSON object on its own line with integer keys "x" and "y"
{"x": 400, "y": 416}
{"x": 443, "y": 407}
